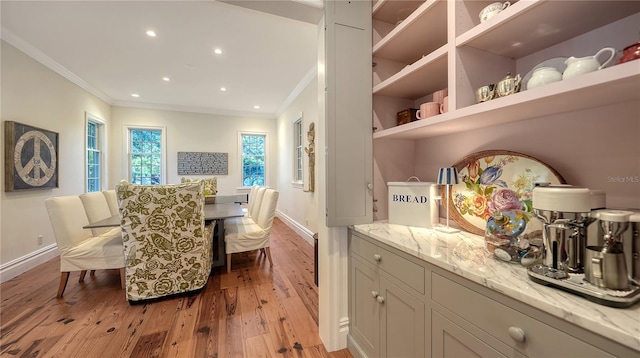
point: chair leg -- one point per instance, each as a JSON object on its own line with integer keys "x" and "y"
{"x": 122, "y": 278}
{"x": 228, "y": 263}
{"x": 268, "y": 249}
{"x": 83, "y": 273}
{"x": 92, "y": 273}
{"x": 64, "y": 277}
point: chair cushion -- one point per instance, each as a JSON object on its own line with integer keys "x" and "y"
{"x": 97, "y": 253}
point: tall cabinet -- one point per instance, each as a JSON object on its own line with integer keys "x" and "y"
{"x": 422, "y": 47}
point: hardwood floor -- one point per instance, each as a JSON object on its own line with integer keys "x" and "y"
{"x": 254, "y": 311}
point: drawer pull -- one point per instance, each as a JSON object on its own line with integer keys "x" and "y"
{"x": 374, "y": 294}
{"x": 377, "y": 257}
{"x": 517, "y": 334}
{"x": 380, "y": 299}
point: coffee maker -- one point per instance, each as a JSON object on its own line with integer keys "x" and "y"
{"x": 602, "y": 264}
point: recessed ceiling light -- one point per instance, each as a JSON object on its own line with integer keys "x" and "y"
{"x": 217, "y": 51}
{"x": 166, "y": 79}
{"x": 135, "y": 95}
{"x": 223, "y": 89}
{"x": 256, "y": 107}
{"x": 151, "y": 33}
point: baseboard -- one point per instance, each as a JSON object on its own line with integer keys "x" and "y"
{"x": 25, "y": 263}
{"x": 305, "y": 233}
{"x": 355, "y": 349}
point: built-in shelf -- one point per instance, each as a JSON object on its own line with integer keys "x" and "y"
{"x": 529, "y": 26}
{"x": 423, "y": 77}
{"x": 394, "y": 11}
{"x": 612, "y": 85}
{"x": 422, "y": 32}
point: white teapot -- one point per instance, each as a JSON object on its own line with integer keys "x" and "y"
{"x": 582, "y": 65}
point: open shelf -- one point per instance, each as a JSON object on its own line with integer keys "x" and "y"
{"x": 622, "y": 83}
{"x": 518, "y": 30}
{"x": 419, "y": 34}
{"x": 425, "y": 76}
{"x": 393, "y": 11}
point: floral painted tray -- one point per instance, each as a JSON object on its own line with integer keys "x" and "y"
{"x": 496, "y": 180}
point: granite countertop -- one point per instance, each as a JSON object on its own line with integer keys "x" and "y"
{"x": 465, "y": 255}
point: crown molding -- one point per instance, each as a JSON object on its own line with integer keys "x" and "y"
{"x": 304, "y": 82}
{"x": 201, "y": 110}
{"x": 47, "y": 61}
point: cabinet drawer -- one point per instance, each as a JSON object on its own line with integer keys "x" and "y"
{"x": 399, "y": 267}
{"x": 497, "y": 319}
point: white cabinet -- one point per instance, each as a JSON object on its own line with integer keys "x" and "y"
{"x": 349, "y": 170}
{"x": 387, "y": 316}
{"x": 400, "y": 306}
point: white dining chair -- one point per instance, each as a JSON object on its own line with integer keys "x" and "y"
{"x": 79, "y": 249}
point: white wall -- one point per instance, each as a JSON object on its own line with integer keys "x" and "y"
{"x": 297, "y": 207}
{"x": 192, "y": 132}
{"x": 33, "y": 94}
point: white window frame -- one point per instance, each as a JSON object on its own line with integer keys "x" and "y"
{"x": 102, "y": 149}
{"x": 163, "y": 150}
{"x": 297, "y": 153}
{"x": 266, "y": 157}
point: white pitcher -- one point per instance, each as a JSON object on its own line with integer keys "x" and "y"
{"x": 582, "y": 65}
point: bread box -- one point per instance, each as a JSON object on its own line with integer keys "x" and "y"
{"x": 413, "y": 203}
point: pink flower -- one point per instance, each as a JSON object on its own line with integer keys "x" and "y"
{"x": 504, "y": 200}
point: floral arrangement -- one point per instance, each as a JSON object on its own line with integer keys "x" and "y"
{"x": 489, "y": 193}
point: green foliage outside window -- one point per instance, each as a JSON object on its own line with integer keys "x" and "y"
{"x": 253, "y": 159}
{"x": 146, "y": 156}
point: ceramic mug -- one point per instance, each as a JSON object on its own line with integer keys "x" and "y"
{"x": 444, "y": 107}
{"x": 428, "y": 109}
{"x": 493, "y": 9}
{"x": 438, "y": 96}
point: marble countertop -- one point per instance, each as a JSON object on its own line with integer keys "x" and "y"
{"x": 465, "y": 255}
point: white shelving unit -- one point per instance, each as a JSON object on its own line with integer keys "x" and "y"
{"x": 480, "y": 53}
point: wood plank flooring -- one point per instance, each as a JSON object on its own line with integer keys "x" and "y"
{"x": 255, "y": 311}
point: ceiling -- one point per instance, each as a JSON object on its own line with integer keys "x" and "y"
{"x": 269, "y": 50}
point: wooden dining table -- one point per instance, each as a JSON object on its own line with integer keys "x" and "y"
{"x": 217, "y": 212}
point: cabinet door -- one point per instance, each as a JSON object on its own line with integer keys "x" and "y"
{"x": 364, "y": 310}
{"x": 450, "y": 340}
{"x": 348, "y": 99}
{"x": 402, "y": 322}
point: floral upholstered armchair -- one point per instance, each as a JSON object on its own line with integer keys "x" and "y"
{"x": 167, "y": 247}
{"x": 210, "y": 184}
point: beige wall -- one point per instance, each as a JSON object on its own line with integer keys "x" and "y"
{"x": 192, "y": 132}
{"x": 33, "y": 94}
{"x": 298, "y": 207}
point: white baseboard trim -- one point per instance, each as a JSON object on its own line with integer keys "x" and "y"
{"x": 343, "y": 331}
{"x": 305, "y": 233}
{"x": 25, "y": 263}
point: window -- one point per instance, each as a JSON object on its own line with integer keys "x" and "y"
{"x": 95, "y": 130}
{"x": 146, "y": 151}
{"x": 253, "y": 158}
{"x": 297, "y": 150}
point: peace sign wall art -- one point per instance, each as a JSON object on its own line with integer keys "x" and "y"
{"x": 30, "y": 157}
